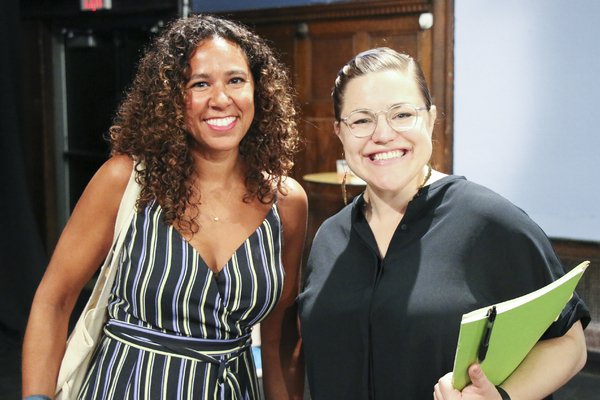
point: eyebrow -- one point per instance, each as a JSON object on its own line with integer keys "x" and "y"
{"x": 393, "y": 105}
{"x": 228, "y": 73}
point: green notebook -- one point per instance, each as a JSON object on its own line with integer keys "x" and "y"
{"x": 518, "y": 325}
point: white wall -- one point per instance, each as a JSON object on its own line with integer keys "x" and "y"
{"x": 527, "y": 109}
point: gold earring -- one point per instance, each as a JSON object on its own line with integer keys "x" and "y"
{"x": 427, "y": 176}
{"x": 345, "y": 179}
{"x": 344, "y": 194}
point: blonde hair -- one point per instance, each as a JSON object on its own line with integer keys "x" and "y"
{"x": 377, "y": 60}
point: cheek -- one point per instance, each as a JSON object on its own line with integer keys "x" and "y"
{"x": 353, "y": 154}
{"x": 429, "y": 124}
{"x": 342, "y": 137}
{"x": 249, "y": 102}
{"x": 345, "y": 148}
{"x": 424, "y": 133}
{"x": 187, "y": 111}
{"x": 428, "y": 133}
{"x": 193, "y": 109}
{"x": 188, "y": 117}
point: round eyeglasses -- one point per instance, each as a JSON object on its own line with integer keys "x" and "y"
{"x": 401, "y": 117}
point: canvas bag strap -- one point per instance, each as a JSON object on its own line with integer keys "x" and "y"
{"x": 126, "y": 211}
{"x": 127, "y": 206}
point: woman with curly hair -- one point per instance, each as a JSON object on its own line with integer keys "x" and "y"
{"x": 209, "y": 126}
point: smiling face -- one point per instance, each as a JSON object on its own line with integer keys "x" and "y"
{"x": 388, "y": 161}
{"x": 220, "y": 96}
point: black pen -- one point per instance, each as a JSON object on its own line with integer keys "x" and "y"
{"x": 487, "y": 334}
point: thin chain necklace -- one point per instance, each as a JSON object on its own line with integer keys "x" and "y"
{"x": 216, "y": 216}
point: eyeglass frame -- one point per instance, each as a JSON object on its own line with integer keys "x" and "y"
{"x": 387, "y": 117}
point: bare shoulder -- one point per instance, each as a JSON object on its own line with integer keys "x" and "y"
{"x": 293, "y": 206}
{"x": 293, "y": 195}
{"x": 107, "y": 186}
{"x": 88, "y": 235}
{"x": 116, "y": 171}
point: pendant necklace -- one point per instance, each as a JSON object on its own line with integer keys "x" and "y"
{"x": 215, "y": 216}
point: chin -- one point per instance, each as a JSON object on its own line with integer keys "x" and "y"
{"x": 389, "y": 184}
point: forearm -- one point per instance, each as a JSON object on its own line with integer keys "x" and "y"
{"x": 283, "y": 360}
{"x": 549, "y": 365}
{"x": 283, "y": 372}
{"x": 43, "y": 348}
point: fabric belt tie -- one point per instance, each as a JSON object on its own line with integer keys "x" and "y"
{"x": 214, "y": 351}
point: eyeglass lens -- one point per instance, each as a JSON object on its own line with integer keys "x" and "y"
{"x": 402, "y": 117}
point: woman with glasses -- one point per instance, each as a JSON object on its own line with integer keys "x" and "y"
{"x": 390, "y": 275}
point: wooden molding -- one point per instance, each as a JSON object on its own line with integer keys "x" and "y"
{"x": 332, "y": 11}
{"x": 577, "y": 250}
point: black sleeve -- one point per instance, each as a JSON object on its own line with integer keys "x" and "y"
{"x": 512, "y": 256}
{"x": 574, "y": 311}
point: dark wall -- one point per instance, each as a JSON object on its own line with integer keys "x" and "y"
{"x": 28, "y": 209}
{"x": 22, "y": 256}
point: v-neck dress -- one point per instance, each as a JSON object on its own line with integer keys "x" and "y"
{"x": 175, "y": 331}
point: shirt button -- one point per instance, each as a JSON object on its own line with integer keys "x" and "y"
{"x": 404, "y": 227}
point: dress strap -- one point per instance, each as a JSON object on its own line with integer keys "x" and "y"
{"x": 214, "y": 351}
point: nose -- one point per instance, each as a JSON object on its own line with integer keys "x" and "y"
{"x": 383, "y": 131}
{"x": 219, "y": 98}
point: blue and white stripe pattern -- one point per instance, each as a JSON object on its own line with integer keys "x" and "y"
{"x": 165, "y": 297}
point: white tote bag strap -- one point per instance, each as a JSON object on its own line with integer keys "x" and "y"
{"x": 126, "y": 211}
{"x": 127, "y": 207}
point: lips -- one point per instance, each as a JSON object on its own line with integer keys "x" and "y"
{"x": 387, "y": 155}
{"x": 220, "y": 122}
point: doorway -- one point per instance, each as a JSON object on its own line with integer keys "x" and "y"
{"x": 93, "y": 69}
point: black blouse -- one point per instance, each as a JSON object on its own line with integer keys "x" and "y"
{"x": 387, "y": 328}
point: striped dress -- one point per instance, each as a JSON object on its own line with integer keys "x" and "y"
{"x": 174, "y": 330}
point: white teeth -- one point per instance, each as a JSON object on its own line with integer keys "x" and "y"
{"x": 220, "y": 121}
{"x": 388, "y": 155}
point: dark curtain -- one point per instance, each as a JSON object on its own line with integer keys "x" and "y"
{"x": 22, "y": 256}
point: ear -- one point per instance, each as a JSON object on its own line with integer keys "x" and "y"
{"x": 336, "y": 129}
{"x": 432, "y": 118}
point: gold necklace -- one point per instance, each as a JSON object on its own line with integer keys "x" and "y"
{"x": 215, "y": 216}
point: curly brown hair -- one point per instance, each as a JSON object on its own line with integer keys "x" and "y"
{"x": 150, "y": 127}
